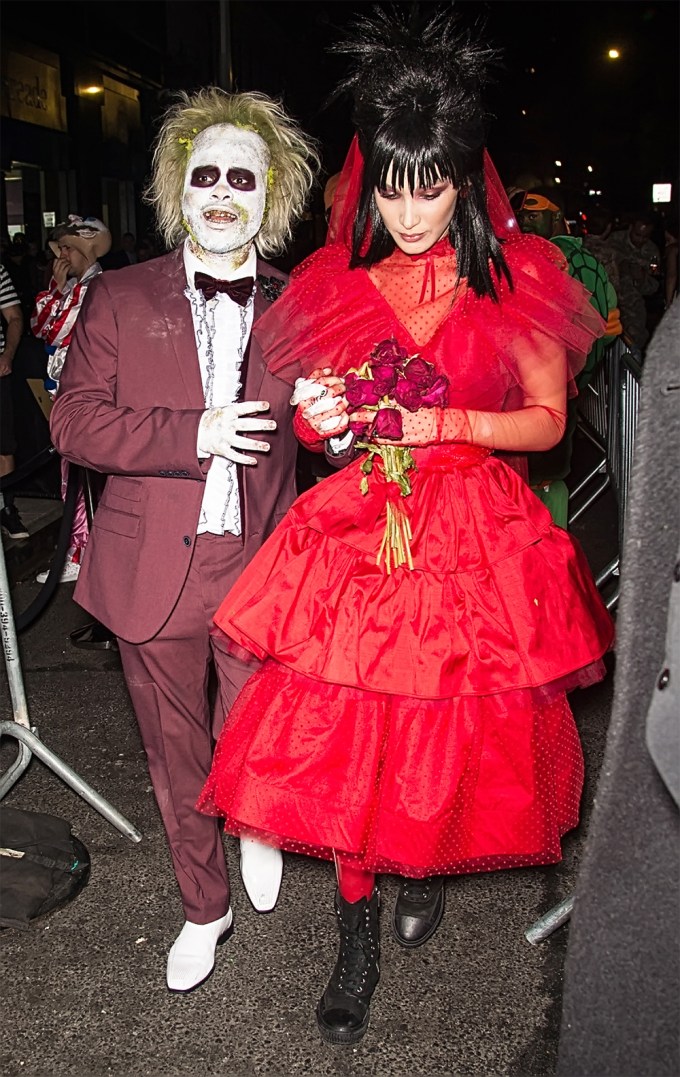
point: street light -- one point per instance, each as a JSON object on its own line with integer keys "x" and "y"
{"x": 613, "y": 54}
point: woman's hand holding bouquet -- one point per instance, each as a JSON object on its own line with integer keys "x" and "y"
{"x": 389, "y": 398}
{"x": 321, "y": 407}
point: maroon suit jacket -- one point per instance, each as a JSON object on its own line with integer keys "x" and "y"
{"x": 129, "y": 403}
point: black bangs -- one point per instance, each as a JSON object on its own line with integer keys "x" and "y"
{"x": 395, "y": 165}
{"x": 415, "y": 85}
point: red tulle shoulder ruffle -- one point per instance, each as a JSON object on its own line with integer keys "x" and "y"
{"x": 333, "y": 316}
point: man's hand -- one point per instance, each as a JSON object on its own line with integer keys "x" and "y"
{"x": 5, "y": 365}
{"x": 60, "y": 271}
{"x": 219, "y": 431}
{"x": 321, "y": 402}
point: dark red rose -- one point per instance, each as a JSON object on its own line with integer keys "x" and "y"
{"x": 360, "y": 429}
{"x": 420, "y": 372}
{"x": 437, "y": 396}
{"x": 389, "y": 353}
{"x": 408, "y": 394}
{"x": 360, "y": 393}
{"x": 385, "y": 379}
{"x": 388, "y": 424}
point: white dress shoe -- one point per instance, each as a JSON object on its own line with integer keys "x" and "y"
{"x": 192, "y": 956}
{"x": 261, "y": 871}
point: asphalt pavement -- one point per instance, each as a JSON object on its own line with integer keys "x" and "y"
{"x": 84, "y": 988}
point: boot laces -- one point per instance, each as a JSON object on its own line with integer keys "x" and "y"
{"x": 358, "y": 953}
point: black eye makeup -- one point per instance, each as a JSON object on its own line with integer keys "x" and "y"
{"x": 206, "y": 176}
{"x": 241, "y": 179}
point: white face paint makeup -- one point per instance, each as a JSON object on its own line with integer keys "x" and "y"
{"x": 225, "y": 188}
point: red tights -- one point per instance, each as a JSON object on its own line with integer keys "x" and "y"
{"x": 354, "y": 882}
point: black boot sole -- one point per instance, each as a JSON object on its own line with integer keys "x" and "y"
{"x": 336, "y": 1037}
{"x": 412, "y": 944}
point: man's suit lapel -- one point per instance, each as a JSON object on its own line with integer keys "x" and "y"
{"x": 177, "y": 313}
{"x": 254, "y": 369}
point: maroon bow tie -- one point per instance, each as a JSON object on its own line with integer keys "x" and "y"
{"x": 239, "y": 290}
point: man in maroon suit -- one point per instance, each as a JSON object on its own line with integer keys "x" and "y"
{"x": 163, "y": 390}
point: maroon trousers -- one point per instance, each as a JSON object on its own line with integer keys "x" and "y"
{"x": 167, "y": 679}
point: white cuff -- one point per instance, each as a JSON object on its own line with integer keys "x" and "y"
{"x": 339, "y": 443}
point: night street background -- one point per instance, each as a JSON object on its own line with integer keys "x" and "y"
{"x": 84, "y": 990}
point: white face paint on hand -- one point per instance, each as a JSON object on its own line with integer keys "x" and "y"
{"x": 225, "y": 188}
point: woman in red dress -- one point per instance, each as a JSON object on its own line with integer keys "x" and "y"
{"x": 418, "y": 616}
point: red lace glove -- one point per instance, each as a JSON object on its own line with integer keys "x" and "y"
{"x": 305, "y": 434}
{"x": 535, "y": 426}
{"x": 321, "y": 408}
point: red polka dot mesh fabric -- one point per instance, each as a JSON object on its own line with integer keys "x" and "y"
{"x": 414, "y": 787}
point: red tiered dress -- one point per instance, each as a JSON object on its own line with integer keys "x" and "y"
{"x": 416, "y": 721}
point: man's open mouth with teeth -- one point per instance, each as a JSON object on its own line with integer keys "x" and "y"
{"x": 220, "y": 216}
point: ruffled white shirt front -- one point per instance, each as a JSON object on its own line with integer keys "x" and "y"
{"x": 222, "y": 329}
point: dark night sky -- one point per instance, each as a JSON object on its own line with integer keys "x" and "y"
{"x": 582, "y": 109}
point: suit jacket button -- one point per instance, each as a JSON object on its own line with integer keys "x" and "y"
{"x": 186, "y": 540}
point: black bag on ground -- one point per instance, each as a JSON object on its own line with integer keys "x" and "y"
{"x": 42, "y": 866}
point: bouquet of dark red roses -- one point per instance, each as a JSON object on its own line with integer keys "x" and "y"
{"x": 391, "y": 379}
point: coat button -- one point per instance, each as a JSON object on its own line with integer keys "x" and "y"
{"x": 186, "y": 540}
{"x": 664, "y": 679}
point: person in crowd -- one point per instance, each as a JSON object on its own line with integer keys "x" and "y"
{"x": 329, "y": 190}
{"x": 622, "y": 968}
{"x": 21, "y": 268}
{"x": 670, "y": 261}
{"x": 128, "y": 245}
{"x": 166, "y": 392}
{"x": 643, "y": 261}
{"x": 418, "y": 615}
{"x": 540, "y": 215}
{"x": 11, "y": 329}
{"x": 146, "y": 249}
{"x": 597, "y": 239}
{"x": 597, "y": 228}
{"x": 124, "y": 255}
{"x": 77, "y": 244}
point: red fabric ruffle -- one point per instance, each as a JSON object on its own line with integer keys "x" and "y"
{"x": 332, "y": 316}
{"x": 403, "y": 785}
{"x": 499, "y": 599}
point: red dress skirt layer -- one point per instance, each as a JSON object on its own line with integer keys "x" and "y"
{"x": 414, "y": 720}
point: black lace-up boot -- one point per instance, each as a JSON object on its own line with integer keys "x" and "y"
{"x": 343, "y": 1009}
{"x": 418, "y": 910}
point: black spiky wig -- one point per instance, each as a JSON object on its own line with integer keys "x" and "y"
{"x": 417, "y": 110}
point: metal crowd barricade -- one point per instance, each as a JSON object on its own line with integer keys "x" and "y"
{"x": 609, "y": 419}
{"x": 20, "y": 728}
{"x": 592, "y": 422}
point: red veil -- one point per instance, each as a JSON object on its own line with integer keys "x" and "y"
{"x": 330, "y": 315}
{"x": 348, "y": 190}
